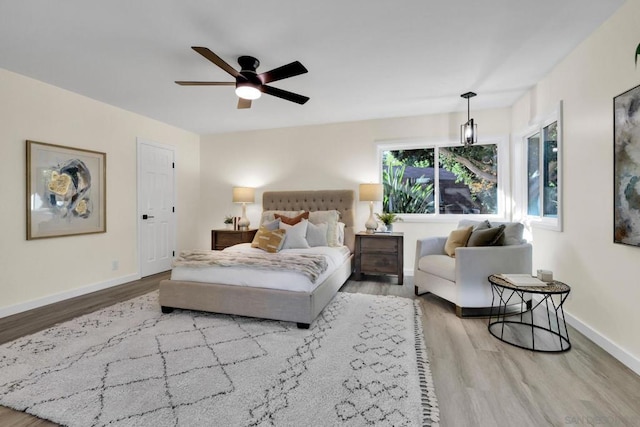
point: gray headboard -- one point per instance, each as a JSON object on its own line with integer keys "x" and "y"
{"x": 319, "y": 200}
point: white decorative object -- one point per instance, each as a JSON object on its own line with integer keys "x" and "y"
{"x": 243, "y": 195}
{"x": 545, "y": 275}
{"x": 371, "y": 193}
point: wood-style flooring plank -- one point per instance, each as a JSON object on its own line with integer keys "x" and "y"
{"x": 18, "y": 325}
{"x": 479, "y": 380}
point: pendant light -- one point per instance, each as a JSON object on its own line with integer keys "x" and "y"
{"x": 468, "y": 130}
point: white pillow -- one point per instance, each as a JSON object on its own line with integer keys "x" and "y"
{"x": 296, "y": 235}
{"x": 331, "y": 219}
{"x": 271, "y": 225}
{"x": 341, "y": 226}
{"x": 269, "y": 215}
{"x": 317, "y": 234}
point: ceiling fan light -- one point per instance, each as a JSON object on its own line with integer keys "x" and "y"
{"x": 248, "y": 91}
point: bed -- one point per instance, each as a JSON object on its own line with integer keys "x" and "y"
{"x": 301, "y": 306}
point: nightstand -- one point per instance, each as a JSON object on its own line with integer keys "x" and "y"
{"x": 379, "y": 253}
{"x": 221, "y": 239}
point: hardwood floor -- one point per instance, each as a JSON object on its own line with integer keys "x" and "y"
{"x": 479, "y": 380}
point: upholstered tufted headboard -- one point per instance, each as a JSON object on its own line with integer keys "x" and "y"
{"x": 319, "y": 200}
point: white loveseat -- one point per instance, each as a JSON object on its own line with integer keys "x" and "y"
{"x": 463, "y": 280}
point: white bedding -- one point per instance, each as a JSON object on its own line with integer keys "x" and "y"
{"x": 284, "y": 280}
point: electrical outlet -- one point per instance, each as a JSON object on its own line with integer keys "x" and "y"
{"x": 115, "y": 265}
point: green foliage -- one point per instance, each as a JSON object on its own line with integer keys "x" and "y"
{"x": 228, "y": 219}
{"x": 402, "y": 197}
{"x": 420, "y": 158}
{"x": 637, "y": 53}
{"x": 388, "y": 218}
{"x": 475, "y": 166}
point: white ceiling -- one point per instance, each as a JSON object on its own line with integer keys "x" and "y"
{"x": 366, "y": 58}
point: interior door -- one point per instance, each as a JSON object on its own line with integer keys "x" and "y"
{"x": 156, "y": 212}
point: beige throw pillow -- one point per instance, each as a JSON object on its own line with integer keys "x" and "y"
{"x": 457, "y": 238}
{"x": 270, "y": 241}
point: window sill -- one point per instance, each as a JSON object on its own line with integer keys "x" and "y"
{"x": 552, "y": 224}
{"x": 451, "y": 218}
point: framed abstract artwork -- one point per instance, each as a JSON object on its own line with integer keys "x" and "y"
{"x": 66, "y": 191}
{"x": 626, "y": 167}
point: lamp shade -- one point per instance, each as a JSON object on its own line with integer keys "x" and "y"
{"x": 370, "y": 192}
{"x": 243, "y": 195}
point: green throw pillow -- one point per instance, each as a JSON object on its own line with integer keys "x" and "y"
{"x": 486, "y": 237}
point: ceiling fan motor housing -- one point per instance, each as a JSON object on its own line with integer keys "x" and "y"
{"x": 248, "y": 75}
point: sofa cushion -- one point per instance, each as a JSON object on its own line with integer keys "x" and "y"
{"x": 439, "y": 265}
{"x": 488, "y": 237}
{"x": 477, "y": 225}
{"x": 457, "y": 238}
{"x": 513, "y": 232}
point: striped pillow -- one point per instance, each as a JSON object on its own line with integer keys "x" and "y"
{"x": 270, "y": 241}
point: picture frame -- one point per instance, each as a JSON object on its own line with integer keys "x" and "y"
{"x": 626, "y": 167}
{"x": 66, "y": 191}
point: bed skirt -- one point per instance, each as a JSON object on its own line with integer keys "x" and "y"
{"x": 290, "y": 306}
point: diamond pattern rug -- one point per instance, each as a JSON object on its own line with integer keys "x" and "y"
{"x": 362, "y": 362}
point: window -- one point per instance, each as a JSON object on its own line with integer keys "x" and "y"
{"x": 441, "y": 179}
{"x": 541, "y": 201}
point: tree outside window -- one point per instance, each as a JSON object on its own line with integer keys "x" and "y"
{"x": 467, "y": 180}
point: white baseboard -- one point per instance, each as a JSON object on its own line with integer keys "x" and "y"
{"x": 626, "y": 358}
{"x": 623, "y": 356}
{"x": 50, "y": 299}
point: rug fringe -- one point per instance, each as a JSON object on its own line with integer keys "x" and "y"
{"x": 430, "y": 411}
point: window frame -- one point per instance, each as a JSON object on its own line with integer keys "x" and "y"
{"x": 504, "y": 199}
{"x": 537, "y": 126}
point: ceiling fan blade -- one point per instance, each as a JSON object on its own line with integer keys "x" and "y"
{"x": 183, "y": 83}
{"x": 216, "y": 60}
{"x": 293, "y": 69}
{"x": 244, "y": 103}
{"x": 289, "y": 96}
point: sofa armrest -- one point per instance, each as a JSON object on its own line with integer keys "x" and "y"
{"x": 429, "y": 246}
{"x": 474, "y": 266}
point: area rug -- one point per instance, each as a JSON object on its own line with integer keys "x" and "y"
{"x": 362, "y": 362}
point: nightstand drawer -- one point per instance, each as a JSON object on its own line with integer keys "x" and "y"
{"x": 380, "y": 263}
{"x": 229, "y": 239}
{"x": 379, "y": 245}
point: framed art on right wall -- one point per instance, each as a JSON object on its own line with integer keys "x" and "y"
{"x": 626, "y": 167}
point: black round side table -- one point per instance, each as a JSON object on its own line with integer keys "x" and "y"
{"x": 543, "y": 328}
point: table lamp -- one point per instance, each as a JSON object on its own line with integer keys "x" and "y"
{"x": 371, "y": 193}
{"x": 243, "y": 195}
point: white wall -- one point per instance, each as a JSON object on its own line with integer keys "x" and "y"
{"x": 333, "y": 156}
{"x": 38, "y": 270}
{"x": 605, "y": 277}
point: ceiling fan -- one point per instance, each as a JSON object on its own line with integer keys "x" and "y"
{"x": 249, "y": 84}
